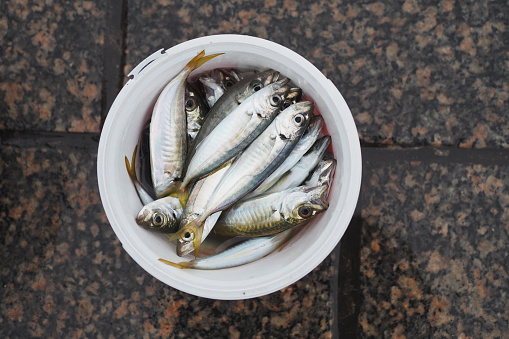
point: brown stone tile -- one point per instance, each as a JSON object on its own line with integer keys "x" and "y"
{"x": 412, "y": 73}
{"x": 51, "y": 65}
{"x": 434, "y": 250}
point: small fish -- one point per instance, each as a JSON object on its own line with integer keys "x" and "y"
{"x": 161, "y": 215}
{"x": 300, "y": 171}
{"x": 272, "y": 213}
{"x": 239, "y": 74}
{"x": 302, "y": 146}
{"x": 232, "y": 135}
{"x": 227, "y": 103}
{"x": 216, "y": 84}
{"x": 194, "y": 208}
{"x": 196, "y": 111}
{"x": 143, "y": 193}
{"x": 240, "y": 254}
{"x": 323, "y": 173}
{"x": 168, "y": 130}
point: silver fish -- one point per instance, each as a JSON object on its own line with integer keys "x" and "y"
{"x": 296, "y": 176}
{"x": 216, "y": 84}
{"x": 302, "y": 146}
{"x": 239, "y": 74}
{"x": 323, "y": 173}
{"x": 162, "y": 215}
{"x": 272, "y": 213}
{"x": 232, "y": 135}
{"x": 196, "y": 111}
{"x": 143, "y": 192}
{"x": 230, "y": 101}
{"x": 240, "y": 254}
{"x": 249, "y": 169}
{"x": 168, "y": 130}
{"x": 194, "y": 208}
{"x": 213, "y": 90}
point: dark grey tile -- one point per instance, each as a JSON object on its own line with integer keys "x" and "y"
{"x": 51, "y": 64}
{"x": 411, "y": 72}
{"x": 434, "y": 250}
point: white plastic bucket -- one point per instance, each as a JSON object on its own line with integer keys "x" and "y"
{"x": 132, "y": 109}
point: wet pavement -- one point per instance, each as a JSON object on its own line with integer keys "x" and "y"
{"x": 426, "y": 252}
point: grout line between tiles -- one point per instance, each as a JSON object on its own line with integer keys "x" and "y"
{"x": 348, "y": 286}
{"x": 58, "y": 140}
{"x": 114, "y": 54}
{"x": 334, "y": 286}
{"x": 432, "y": 154}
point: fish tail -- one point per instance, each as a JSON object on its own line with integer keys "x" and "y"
{"x": 181, "y": 265}
{"x": 200, "y": 59}
{"x": 131, "y": 168}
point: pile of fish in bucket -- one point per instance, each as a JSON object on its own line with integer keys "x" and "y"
{"x": 234, "y": 153}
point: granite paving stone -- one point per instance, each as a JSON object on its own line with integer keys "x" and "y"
{"x": 424, "y": 79}
{"x": 434, "y": 259}
{"x": 65, "y": 273}
{"x": 51, "y": 64}
{"x": 412, "y": 72}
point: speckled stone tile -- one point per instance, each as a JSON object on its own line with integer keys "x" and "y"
{"x": 412, "y": 72}
{"x": 64, "y": 272}
{"x": 51, "y": 63}
{"x": 434, "y": 259}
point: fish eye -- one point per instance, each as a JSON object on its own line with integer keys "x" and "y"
{"x": 275, "y": 100}
{"x": 298, "y": 119}
{"x": 257, "y": 86}
{"x": 157, "y": 219}
{"x": 187, "y": 236}
{"x": 228, "y": 83}
{"x": 286, "y": 104}
{"x": 305, "y": 212}
{"x": 190, "y": 104}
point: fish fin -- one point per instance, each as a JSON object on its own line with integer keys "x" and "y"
{"x": 200, "y": 59}
{"x": 181, "y": 265}
{"x": 197, "y": 240}
{"x": 176, "y": 235}
{"x": 178, "y": 191}
{"x": 131, "y": 169}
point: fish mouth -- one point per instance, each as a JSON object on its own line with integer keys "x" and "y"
{"x": 320, "y": 196}
{"x": 184, "y": 247}
{"x": 143, "y": 218}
